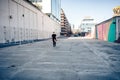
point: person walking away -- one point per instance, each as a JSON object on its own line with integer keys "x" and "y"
{"x": 54, "y": 39}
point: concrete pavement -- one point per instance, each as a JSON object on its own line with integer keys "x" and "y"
{"x": 72, "y": 59}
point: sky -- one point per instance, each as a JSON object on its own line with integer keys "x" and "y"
{"x": 100, "y": 10}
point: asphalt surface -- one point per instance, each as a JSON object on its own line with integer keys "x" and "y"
{"x": 72, "y": 59}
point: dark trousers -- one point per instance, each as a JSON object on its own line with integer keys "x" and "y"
{"x": 54, "y": 43}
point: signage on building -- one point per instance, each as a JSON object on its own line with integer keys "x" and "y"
{"x": 116, "y": 11}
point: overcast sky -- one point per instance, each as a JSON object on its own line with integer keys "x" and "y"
{"x": 100, "y": 10}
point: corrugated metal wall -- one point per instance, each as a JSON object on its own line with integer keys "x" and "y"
{"x": 21, "y": 22}
{"x": 118, "y": 27}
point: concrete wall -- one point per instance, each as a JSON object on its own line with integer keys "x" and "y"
{"x": 22, "y": 22}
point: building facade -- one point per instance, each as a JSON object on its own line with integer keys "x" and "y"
{"x": 65, "y": 25}
{"x": 87, "y": 27}
{"x": 109, "y": 30}
{"x": 50, "y": 7}
{"x": 22, "y": 22}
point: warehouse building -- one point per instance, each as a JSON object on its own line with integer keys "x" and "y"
{"x": 109, "y": 30}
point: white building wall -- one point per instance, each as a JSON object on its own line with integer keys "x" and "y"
{"x": 21, "y": 21}
{"x": 4, "y": 22}
{"x": 13, "y": 21}
{"x": 40, "y": 25}
{"x": 52, "y": 27}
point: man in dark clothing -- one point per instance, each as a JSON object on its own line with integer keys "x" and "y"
{"x": 54, "y": 39}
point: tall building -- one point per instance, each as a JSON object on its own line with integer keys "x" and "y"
{"x": 87, "y": 26}
{"x": 65, "y": 25}
{"x": 37, "y": 3}
{"x": 50, "y": 7}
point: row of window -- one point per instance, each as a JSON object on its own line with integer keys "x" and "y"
{"x": 89, "y": 24}
{"x": 89, "y": 28}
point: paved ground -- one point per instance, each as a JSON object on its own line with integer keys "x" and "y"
{"x": 71, "y": 59}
